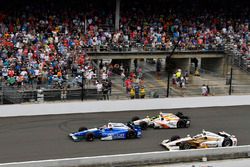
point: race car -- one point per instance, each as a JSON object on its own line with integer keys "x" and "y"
{"x": 205, "y": 139}
{"x": 163, "y": 120}
{"x": 111, "y": 131}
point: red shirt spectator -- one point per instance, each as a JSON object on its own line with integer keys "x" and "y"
{"x": 11, "y": 73}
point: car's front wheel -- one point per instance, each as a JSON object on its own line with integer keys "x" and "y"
{"x": 143, "y": 125}
{"x": 181, "y": 124}
{"x": 90, "y": 136}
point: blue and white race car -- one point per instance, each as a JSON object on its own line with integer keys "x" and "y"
{"x": 112, "y": 131}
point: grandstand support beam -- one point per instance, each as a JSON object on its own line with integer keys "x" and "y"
{"x": 132, "y": 67}
{"x": 97, "y": 66}
{"x": 230, "y": 82}
{"x": 82, "y": 90}
{"x": 1, "y": 91}
{"x": 189, "y": 65}
{"x": 117, "y": 15}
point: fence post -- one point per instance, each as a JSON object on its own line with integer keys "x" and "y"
{"x": 40, "y": 95}
{"x": 1, "y": 88}
{"x": 64, "y": 93}
{"x": 83, "y": 85}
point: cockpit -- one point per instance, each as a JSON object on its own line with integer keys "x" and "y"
{"x": 110, "y": 125}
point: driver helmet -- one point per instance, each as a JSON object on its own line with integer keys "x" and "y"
{"x": 109, "y": 125}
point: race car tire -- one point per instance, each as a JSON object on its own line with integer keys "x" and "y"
{"x": 89, "y": 136}
{"x": 184, "y": 117}
{"x": 175, "y": 137}
{"x": 184, "y": 146}
{"x": 82, "y": 129}
{"x": 131, "y": 134}
{"x": 156, "y": 127}
{"x": 181, "y": 124}
{"x": 143, "y": 125}
{"x": 181, "y": 116}
{"x": 135, "y": 118}
{"x": 227, "y": 142}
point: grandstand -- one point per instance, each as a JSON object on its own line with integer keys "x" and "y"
{"x": 64, "y": 47}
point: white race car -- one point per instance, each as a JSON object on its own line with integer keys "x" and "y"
{"x": 204, "y": 140}
{"x": 163, "y": 120}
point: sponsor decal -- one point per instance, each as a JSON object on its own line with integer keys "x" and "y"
{"x": 119, "y": 136}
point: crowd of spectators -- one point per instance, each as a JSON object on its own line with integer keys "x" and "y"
{"x": 44, "y": 41}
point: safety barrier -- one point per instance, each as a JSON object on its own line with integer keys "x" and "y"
{"x": 148, "y": 158}
{"x": 121, "y": 105}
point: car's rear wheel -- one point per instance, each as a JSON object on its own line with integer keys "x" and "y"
{"x": 181, "y": 124}
{"x": 135, "y": 118}
{"x": 179, "y": 114}
{"x": 143, "y": 125}
{"x": 82, "y": 129}
{"x": 131, "y": 134}
{"x": 90, "y": 136}
{"x": 227, "y": 142}
{"x": 175, "y": 137}
{"x": 184, "y": 146}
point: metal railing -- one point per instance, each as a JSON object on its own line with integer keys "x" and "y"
{"x": 153, "y": 89}
{"x": 140, "y": 47}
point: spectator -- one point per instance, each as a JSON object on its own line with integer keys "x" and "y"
{"x": 142, "y": 92}
{"x": 104, "y": 75}
{"x": 99, "y": 88}
{"x": 204, "y": 91}
{"x": 109, "y": 84}
{"x": 208, "y": 90}
{"x": 178, "y": 76}
{"x": 132, "y": 93}
{"x": 156, "y": 94}
{"x": 128, "y": 84}
{"x": 123, "y": 78}
{"x": 105, "y": 90}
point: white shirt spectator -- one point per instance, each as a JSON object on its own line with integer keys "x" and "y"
{"x": 204, "y": 90}
{"x": 224, "y": 30}
{"x": 5, "y": 72}
{"x": 23, "y": 73}
{"x": 99, "y": 87}
{"x": 90, "y": 21}
{"x": 56, "y": 39}
{"x": 94, "y": 41}
{"x": 104, "y": 76}
{"x": 37, "y": 72}
{"x": 89, "y": 75}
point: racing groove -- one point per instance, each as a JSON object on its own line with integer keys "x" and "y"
{"x": 46, "y": 137}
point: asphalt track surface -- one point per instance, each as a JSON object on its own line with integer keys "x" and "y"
{"x": 46, "y": 137}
